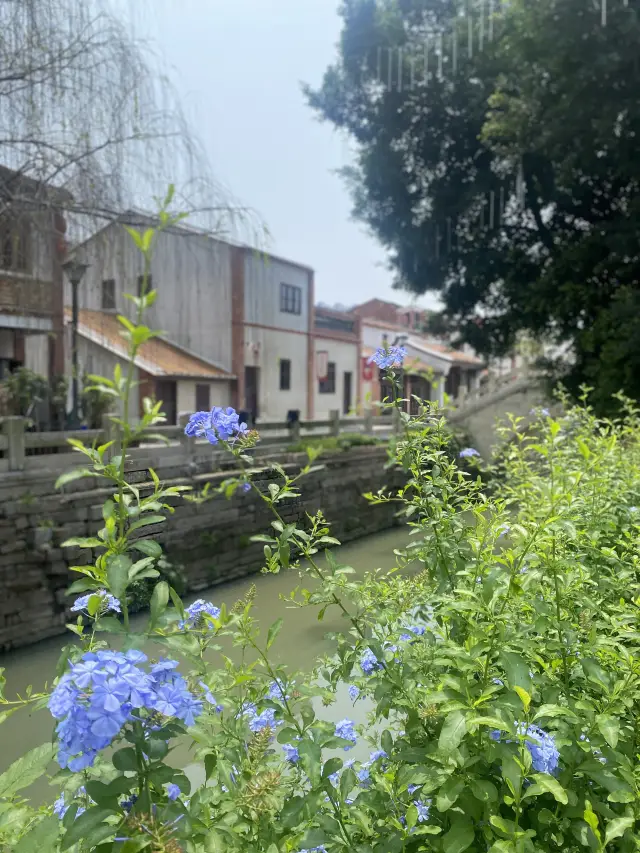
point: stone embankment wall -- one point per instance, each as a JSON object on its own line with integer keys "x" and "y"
{"x": 211, "y": 540}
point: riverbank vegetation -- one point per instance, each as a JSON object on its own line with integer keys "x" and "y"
{"x": 503, "y": 682}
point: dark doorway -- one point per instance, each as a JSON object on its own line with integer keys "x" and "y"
{"x": 251, "y": 391}
{"x": 166, "y": 390}
{"x": 346, "y": 393}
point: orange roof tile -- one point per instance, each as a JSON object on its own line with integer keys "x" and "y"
{"x": 436, "y": 349}
{"x": 157, "y": 356}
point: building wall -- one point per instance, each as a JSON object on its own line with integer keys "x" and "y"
{"x": 346, "y": 357}
{"x": 192, "y": 275}
{"x": 98, "y": 361}
{"x": 271, "y": 346}
{"x": 36, "y": 353}
{"x": 263, "y": 276}
{"x": 219, "y": 394}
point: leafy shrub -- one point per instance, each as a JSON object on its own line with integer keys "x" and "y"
{"x": 500, "y": 689}
{"x": 141, "y": 591}
{"x": 330, "y": 443}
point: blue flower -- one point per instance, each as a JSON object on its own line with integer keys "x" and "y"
{"x": 345, "y": 730}
{"x": 277, "y": 692}
{"x": 416, "y": 630}
{"x": 173, "y": 791}
{"x": 107, "y": 602}
{"x": 291, "y": 753}
{"x": 261, "y": 721}
{"x": 210, "y": 698}
{"x": 320, "y": 849}
{"x": 246, "y": 487}
{"x": 364, "y": 777}
{"x": 334, "y": 778}
{"x": 542, "y": 746}
{"x": 412, "y": 789}
{"x": 59, "y": 808}
{"x": 217, "y": 425}
{"x": 354, "y": 692}
{"x": 103, "y": 692}
{"x": 378, "y": 753}
{"x": 369, "y": 662}
{"x": 468, "y": 452}
{"x": 423, "y": 810}
{"x": 127, "y": 805}
{"x": 386, "y": 357}
{"x": 195, "y": 615}
{"x": 498, "y": 681}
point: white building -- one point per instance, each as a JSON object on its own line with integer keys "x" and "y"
{"x": 338, "y": 372}
{"x": 431, "y": 369}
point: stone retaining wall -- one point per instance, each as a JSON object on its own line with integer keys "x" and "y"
{"x": 211, "y": 540}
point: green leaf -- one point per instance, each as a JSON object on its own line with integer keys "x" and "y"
{"x": 609, "y": 729}
{"x": 459, "y": 837}
{"x": 83, "y": 825}
{"x": 159, "y": 601}
{"x": 83, "y": 542}
{"x": 546, "y": 784}
{"x": 411, "y": 817}
{"x": 125, "y": 759}
{"x": 452, "y": 732}
{"x": 550, "y": 711}
{"x": 449, "y": 793}
{"x": 617, "y": 827}
{"x": 524, "y": 697}
{"x": 516, "y": 669}
{"x": 484, "y": 790}
{"x": 592, "y": 819}
{"x": 42, "y": 837}
{"x": 273, "y": 632}
{"x": 118, "y": 574}
{"x": 74, "y": 474}
{"x": 210, "y": 761}
{"x": 26, "y": 770}
{"x": 147, "y": 546}
{"x": 331, "y": 766}
{"x": 145, "y": 522}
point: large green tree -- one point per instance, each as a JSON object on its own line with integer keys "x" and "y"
{"x": 503, "y": 169}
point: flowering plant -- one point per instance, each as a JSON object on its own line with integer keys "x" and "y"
{"x": 495, "y": 694}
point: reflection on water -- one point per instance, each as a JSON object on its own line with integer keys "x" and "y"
{"x": 300, "y": 642}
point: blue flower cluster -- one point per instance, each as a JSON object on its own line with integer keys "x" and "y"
{"x": 259, "y": 721}
{"x": 277, "y": 692}
{"x": 291, "y": 753}
{"x": 60, "y": 808}
{"x": 369, "y": 662}
{"x": 107, "y": 602}
{"x": 195, "y": 612}
{"x": 105, "y": 690}
{"x": 540, "y": 413}
{"x": 542, "y": 746}
{"x": 468, "y": 452}
{"x": 345, "y": 729}
{"x": 388, "y": 356}
{"x": 414, "y": 631}
{"x": 217, "y": 425}
{"x": 423, "y": 810}
{"x": 320, "y": 849}
{"x": 354, "y": 692}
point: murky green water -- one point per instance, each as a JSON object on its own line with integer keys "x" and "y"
{"x": 300, "y": 642}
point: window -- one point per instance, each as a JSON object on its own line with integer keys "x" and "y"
{"x": 141, "y": 284}
{"x": 285, "y": 374}
{"x": 202, "y": 398}
{"x": 14, "y": 244}
{"x": 290, "y": 299}
{"x": 336, "y": 324}
{"x": 328, "y": 384}
{"x": 108, "y": 294}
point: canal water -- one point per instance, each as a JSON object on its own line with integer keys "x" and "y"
{"x": 301, "y": 641}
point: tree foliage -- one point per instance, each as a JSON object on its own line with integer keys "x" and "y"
{"x": 504, "y": 178}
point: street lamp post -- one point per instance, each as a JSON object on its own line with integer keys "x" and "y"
{"x": 75, "y": 271}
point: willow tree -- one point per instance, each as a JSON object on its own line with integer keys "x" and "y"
{"x": 497, "y": 162}
{"x": 84, "y": 108}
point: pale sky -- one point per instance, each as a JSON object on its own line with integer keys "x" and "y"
{"x": 238, "y": 65}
